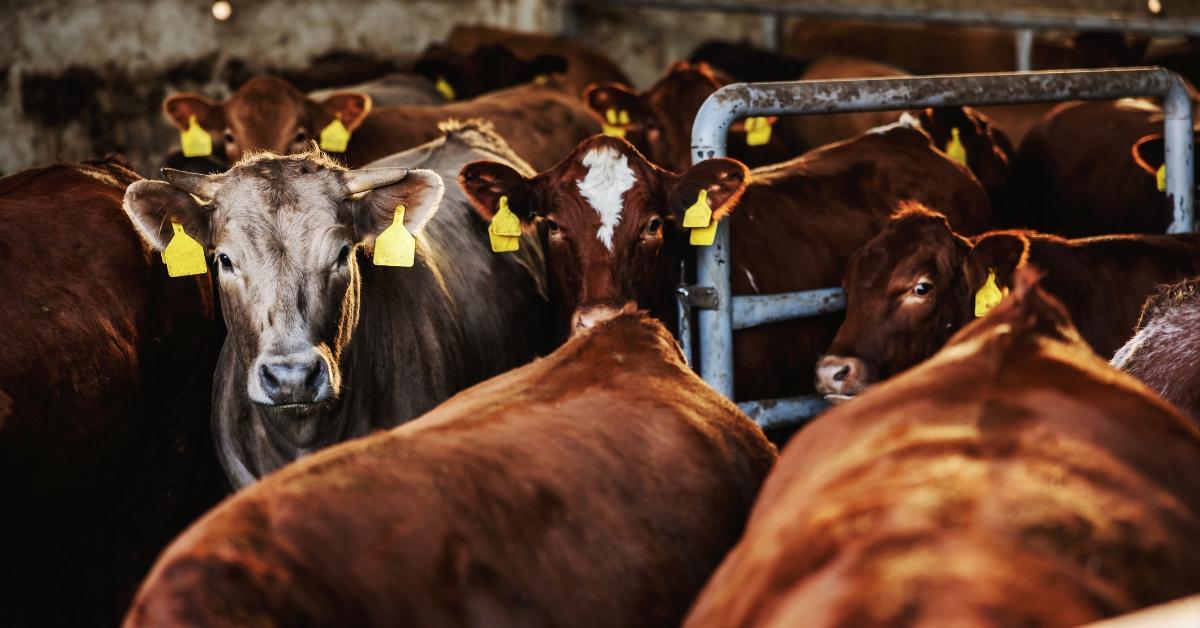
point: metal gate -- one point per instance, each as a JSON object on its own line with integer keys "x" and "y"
{"x": 719, "y": 313}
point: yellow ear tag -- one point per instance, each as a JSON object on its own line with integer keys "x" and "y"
{"x": 335, "y": 136}
{"x": 611, "y": 122}
{"x": 704, "y": 236}
{"x": 623, "y": 117}
{"x": 395, "y": 246}
{"x": 699, "y": 215}
{"x": 989, "y": 296}
{"x": 758, "y": 131}
{"x": 444, "y": 88}
{"x": 955, "y": 149}
{"x": 183, "y": 255}
{"x": 505, "y": 230}
{"x": 195, "y": 141}
{"x": 541, "y": 79}
{"x": 1160, "y": 178}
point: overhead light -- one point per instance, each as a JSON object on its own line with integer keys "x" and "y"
{"x": 221, "y": 9}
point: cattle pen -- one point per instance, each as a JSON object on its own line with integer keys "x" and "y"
{"x": 719, "y": 313}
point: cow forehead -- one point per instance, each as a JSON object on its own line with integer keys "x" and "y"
{"x": 283, "y": 213}
{"x": 607, "y": 177}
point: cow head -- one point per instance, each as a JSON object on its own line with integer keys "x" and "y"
{"x": 266, "y": 114}
{"x": 660, "y": 118}
{"x": 488, "y": 68}
{"x": 285, "y": 233}
{"x": 610, "y": 222}
{"x": 905, "y": 296}
{"x": 987, "y": 149}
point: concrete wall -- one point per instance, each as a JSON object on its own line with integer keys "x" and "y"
{"x": 85, "y": 77}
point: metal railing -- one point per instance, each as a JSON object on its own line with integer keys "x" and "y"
{"x": 719, "y": 313}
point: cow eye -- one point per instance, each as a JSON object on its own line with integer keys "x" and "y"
{"x": 654, "y": 226}
{"x": 228, "y": 136}
{"x": 301, "y": 136}
{"x": 551, "y": 226}
{"x": 226, "y": 263}
{"x": 922, "y": 288}
{"x": 343, "y": 255}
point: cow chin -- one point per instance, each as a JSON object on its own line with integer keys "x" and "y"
{"x": 296, "y": 427}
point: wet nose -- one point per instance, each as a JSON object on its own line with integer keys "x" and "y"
{"x": 293, "y": 379}
{"x": 840, "y": 375}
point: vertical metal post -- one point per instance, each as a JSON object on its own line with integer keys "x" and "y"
{"x": 1024, "y": 41}
{"x": 770, "y": 31}
{"x": 1177, "y": 141}
{"x": 716, "y": 326}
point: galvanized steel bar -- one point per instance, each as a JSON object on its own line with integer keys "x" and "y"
{"x": 1007, "y": 18}
{"x": 1023, "y": 40}
{"x": 741, "y": 100}
{"x": 760, "y": 309}
{"x": 770, "y": 413}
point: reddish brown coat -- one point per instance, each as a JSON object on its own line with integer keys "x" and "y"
{"x": 1015, "y": 479}
{"x": 596, "y": 487}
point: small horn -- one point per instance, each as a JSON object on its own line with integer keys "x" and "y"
{"x": 203, "y": 185}
{"x": 370, "y": 178}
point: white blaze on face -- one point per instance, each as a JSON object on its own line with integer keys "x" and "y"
{"x": 606, "y": 182}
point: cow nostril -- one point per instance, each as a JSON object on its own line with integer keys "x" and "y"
{"x": 841, "y": 373}
{"x": 268, "y": 377}
{"x": 314, "y": 375}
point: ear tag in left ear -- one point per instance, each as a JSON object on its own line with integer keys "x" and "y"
{"x": 195, "y": 141}
{"x": 395, "y": 246}
{"x": 955, "y": 149}
{"x": 758, "y": 131}
{"x": 1160, "y": 178}
{"x": 444, "y": 88}
{"x": 505, "y": 230}
{"x": 335, "y": 136}
{"x": 183, "y": 255}
{"x": 704, "y": 236}
{"x": 699, "y": 215}
{"x": 988, "y": 296}
{"x": 613, "y": 127}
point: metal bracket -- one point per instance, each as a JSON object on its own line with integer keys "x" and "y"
{"x": 703, "y": 297}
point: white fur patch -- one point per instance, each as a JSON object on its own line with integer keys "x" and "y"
{"x": 607, "y": 180}
{"x": 907, "y": 120}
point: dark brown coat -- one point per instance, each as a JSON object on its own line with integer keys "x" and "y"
{"x": 1015, "y": 479}
{"x": 1165, "y": 351}
{"x": 596, "y": 487}
{"x": 584, "y": 65}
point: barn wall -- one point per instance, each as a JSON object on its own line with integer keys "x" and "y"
{"x": 86, "y": 77}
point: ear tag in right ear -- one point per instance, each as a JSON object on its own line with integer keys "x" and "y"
{"x": 541, "y": 79}
{"x": 183, "y": 255}
{"x": 444, "y": 88}
{"x": 699, "y": 215}
{"x": 758, "y": 131}
{"x": 955, "y": 149}
{"x": 613, "y": 127}
{"x": 395, "y": 246}
{"x": 335, "y": 136}
{"x": 195, "y": 141}
{"x": 704, "y": 236}
{"x": 505, "y": 230}
{"x": 1160, "y": 178}
{"x": 989, "y": 296}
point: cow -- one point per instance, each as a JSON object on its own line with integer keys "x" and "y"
{"x": 918, "y": 281}
{"x": 747, "y": 63}
{"x": 585, "y": 65}
{"x": 268, "y": 114}
{"x": 1164, "y": 351}
{"x": 486, "y": 69}
{"x": 599, "y": 486}
{"x": 390, "y": 90}
{"x": 1089, "y": 168}
{"x": 1014, "y": 479}
{"x": 105, "y": 365}
{"x": 323, "y": 344}
{"x": 611, "y": 222}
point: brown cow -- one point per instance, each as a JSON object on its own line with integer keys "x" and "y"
{"x": 267, "y": 114}
{"x": 1089, "y": 169}
{"x": 599, "y": 486}
{"x": 916, "y": 283}
{"x": 584, "y": 65}
{"x": 105, "y": 369}
{"x": 486, "y": 69}
{"x": 1165, "y": 351}
{"x": 612, "y": 225}
{"x": 1014, "y": 479}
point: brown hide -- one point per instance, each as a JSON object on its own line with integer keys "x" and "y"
{"x": 584, "y": 65}
{"x": 596, "y": 487}
{"x": 1013, "y": 479}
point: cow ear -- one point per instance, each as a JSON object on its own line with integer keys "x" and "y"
{"x": 351, "y": 107}
{"x": 601, "y": 98}
{"x": 153, "y": 205}
{"x": 545, "y": 65}
{"x": 179, "y": 109}
{"x": 485, "y": 182}
{"x": 376, "y": 193}
{"x": 725, "y": 179}
{"x": 1149, "y": 153}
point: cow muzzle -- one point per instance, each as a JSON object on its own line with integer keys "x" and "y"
{"x": 294, "y": 379}
{"x": 588, "y": 317}
{"x": 840, "y": 377}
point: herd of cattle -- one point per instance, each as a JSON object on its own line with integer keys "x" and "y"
{"x": 499, "y": 429}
